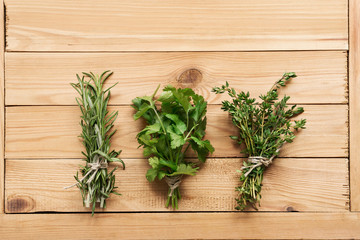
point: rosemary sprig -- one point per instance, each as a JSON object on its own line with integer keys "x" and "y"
{"x": 170, "y": 131}
{"x": 96, "y": 122}
{"x": 263, "y": 127}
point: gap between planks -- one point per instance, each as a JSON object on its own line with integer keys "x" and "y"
{"x": 2, "y": 109}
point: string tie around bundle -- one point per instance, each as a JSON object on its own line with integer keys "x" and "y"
{"x": 173, "y": 183}
{"x": 258, "y": 161}
{"x": 94, "y": 168}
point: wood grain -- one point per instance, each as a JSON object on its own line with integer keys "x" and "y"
{"x": 177, "y": 226}
{"x": 354, "y": 86}
{"x": 44, "y": 78}
{"x": 317, "y": 184}
{"x": 143, "y": 25}
{"x": 51, "y": 132}
{"x": 212, "y": 41}
{"x": 2, "y": 108}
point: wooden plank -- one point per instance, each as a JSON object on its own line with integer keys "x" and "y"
{"x": 318, "y": 184}
{"x": 2, "y": 108}
{"x": 354, "y": 86}
{"x": 44, "y": 78}
{"x": 142, "y": 25}
{"x": 51, "y": 132}
{"x": 182, "y": 226}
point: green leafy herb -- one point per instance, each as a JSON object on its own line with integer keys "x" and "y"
{"x": 97, "y": 183}
{"x": 263, "y": 127}
{"x": 171, "y": 130}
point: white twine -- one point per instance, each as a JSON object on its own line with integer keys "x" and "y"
{"x": 94, "y": 168}
{"x": 173, "y": 183}
{"x": 258, "y": 161}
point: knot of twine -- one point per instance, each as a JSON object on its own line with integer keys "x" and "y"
{"x": 173, "y": 183}
{"x": 94, "y": 168}
{"x": 258, "y": 161}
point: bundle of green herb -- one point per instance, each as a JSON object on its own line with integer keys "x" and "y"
{"x": 263, "y": 128}
{"x": 179, "y": 124}
{"x": 97, "y": 183}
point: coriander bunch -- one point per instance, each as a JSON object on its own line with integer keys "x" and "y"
{"x": 171, "y": 129}
{"x": 96, "y": 122}
{"x": 263, "y": 128}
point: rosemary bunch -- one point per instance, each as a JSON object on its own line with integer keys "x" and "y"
{"x": 263, "y": 127}
{"x": 170, "y": 131}
{"x": 97, "y": 182}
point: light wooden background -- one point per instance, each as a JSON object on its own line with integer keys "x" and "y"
{"x": 311, "y": 191}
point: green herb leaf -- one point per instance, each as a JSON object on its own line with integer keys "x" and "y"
{"x": 180, "y": 125}
{"x": 151, "y": 174}
{"x": 142, "y": 110}
{"x": 185, "y": 169}
{"x": 176, "y": 140}
{"x": 154, "y": 162}
{"x": 166, "y": 96}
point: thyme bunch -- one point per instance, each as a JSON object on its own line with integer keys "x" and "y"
{"x": 178, "y": 124}
{"x": 263, "y": 128}
{"x": 96, "y": 122}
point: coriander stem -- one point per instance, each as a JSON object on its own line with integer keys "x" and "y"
{"x": 157, "y": 115}
{"x": 187, "y": 148}
{"x": 186, "y": 138}
{"x": 162, "y": 126}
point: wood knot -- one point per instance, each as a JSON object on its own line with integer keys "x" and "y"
{"x": 19, "y": 204}
{"x": 190, "y": 78}
{"x": 291, "y": 209}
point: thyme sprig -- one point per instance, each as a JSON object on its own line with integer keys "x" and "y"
{"x": 180, "y": 123}
{"x": 263, "y": 128}
{"x": 96, "y": 122}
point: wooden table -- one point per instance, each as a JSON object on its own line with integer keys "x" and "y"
{"x": 311, "y": 191}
